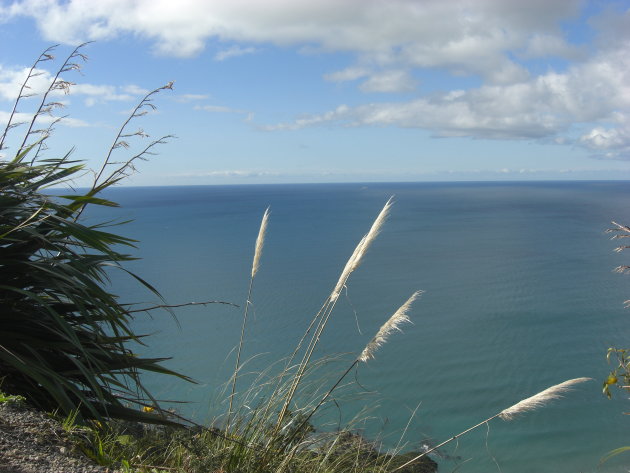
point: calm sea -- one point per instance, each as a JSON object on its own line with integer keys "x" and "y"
{"x": 520, "y": 295}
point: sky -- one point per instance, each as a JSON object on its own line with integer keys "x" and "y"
{"x": 279, "y": 91}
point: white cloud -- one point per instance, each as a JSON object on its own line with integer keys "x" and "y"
{"x": 42, "y": 120}
{"x": 97, "y": 93}
{"x": 185, "y": 98}
{"x": 548, "y": 106}
{"x": 134, "y": 90}
{"x": 69, "y": 121}
{"x": 233, "y": 51}
{"x": 602, "y": 138}
{"x": 218, "y": 109}
{"x": 347, "y": 74}
{"x": 481, "y": 53}
{"x": 341, "y": 113}
{"x": 432, "y": 33}
{"x": 389, "y": 81}
{"x": 228, "y": 173}
{"x": 549, "y": 45}
{"x": 11, "y": 80}
{"x": 388, "y": 174}
{"x": 388, "y": 41}
{"x": 462, "y": 36}
{"x": 608, "y": 142}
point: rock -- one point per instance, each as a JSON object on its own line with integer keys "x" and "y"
{"x": 370, "y": 453}
{"x": 422, "y": 465}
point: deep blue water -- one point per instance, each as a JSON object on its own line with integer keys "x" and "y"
{"x": 520, "y": 295}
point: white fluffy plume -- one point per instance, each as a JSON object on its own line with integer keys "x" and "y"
{"x": 260, "y": 241}
{"x": 360, "y": 250}
{"x": 540, "y": 399}
{"x": 393, "y": 324}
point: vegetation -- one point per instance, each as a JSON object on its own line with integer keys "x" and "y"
{"x": 620, "y": 375}
{"x": 144, "y": 448}
{"x": 66, "y": 341}
{"x": 64, "y": 338}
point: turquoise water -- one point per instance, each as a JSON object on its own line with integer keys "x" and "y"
{"x": 520, "y": 295}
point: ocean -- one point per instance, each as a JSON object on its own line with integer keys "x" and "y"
{"x": 520, "y": 294}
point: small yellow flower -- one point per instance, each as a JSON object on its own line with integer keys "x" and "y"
{"x": 147, "y": 409}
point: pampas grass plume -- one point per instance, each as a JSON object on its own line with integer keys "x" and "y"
{"x": 360, "y": 250}
{"x": 348, "y": 268}
{"x": 375, "y": 229}
{"x": 540, "y": 399}
{"x": 526, "y": 405}
{"x": 393, "y": 324}
{"x": 260, "y": 241}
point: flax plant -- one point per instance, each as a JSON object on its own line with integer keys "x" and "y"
{"x": 65, "y": 339}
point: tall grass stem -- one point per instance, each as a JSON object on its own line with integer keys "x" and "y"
{"x": 392, "y": 324}
{"x": 324, "y": 314}
{"x": 258, "y": 247}
{"x": 526, "y": 405}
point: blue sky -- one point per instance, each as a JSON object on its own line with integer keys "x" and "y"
{"x": 336, "y": 90}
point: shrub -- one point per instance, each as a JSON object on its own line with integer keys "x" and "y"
{"x": 620, "y": 375}
{"x": 64, "y": 338}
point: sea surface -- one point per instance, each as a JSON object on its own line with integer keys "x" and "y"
{"x": 520, "y": 294}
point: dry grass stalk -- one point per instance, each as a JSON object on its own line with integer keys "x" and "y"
{"x": 260, "y": 240}
{"x": 526, "y": 405}
{"x": 324, "y": 313}
{"x": 393, "y": 324}
{"x": 540, "y": 399}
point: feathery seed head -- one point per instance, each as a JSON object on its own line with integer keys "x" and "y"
{"x": 540, "y": 399}
{"x": 360, "y": 250}
{"x": 393, "y": 324}
{"x": 260, "y": 241}
{"x": 348, "y": 268}
{"x": 372, "y": 234}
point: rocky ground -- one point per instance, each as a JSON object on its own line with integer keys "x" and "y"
{"x": 31, "y": 442}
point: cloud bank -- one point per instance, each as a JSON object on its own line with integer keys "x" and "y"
{"x": 582, "y": 98}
